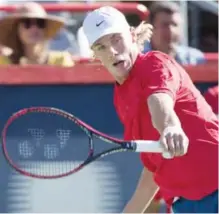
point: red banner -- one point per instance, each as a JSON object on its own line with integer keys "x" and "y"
{"x": 85, "y": 73}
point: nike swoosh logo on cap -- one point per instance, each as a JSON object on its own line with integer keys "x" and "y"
{"x": 98, "y": 24}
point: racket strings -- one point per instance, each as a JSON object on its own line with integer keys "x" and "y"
{"x": 63, "y": 136}
{"x": 37, "y": 134}
{"x": 47, "y": 169}
{"x": 38, "y": 145}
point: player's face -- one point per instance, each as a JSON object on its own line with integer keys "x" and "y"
{"x": 115, "y": 53}
{"x": 31, "y": 31}
{"x": 166, "y": 33}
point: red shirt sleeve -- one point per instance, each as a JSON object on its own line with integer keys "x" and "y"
{"x": 211, "y": 96}
{"x": 147, "y": 163}
{"x": 162, "y": 75}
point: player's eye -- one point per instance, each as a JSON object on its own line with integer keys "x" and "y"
{"x": 116, "y": 39}
{"x": 100, "y": 47}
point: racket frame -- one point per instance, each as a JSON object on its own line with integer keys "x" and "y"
{"x": 90, "y": 131}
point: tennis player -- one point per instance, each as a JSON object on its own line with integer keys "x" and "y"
{"x": 156, "y": 100}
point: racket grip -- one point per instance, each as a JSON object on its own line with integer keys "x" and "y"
{"x": 150, "y": 146}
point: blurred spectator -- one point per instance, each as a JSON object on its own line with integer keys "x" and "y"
{"x": 64, "y": 41}
{"x": 167, "y": 22}
{"x": 211, "y": 96}
{"x": 27, "y": 31}
{"x": 209, "y": 40}
{"x": 5, "y": 51}
{"x": 70, "y": 37}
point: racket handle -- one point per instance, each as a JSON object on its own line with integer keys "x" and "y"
{"x": 150, "y": 146}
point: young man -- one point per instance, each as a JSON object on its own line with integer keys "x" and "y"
{"x": 156, "y": 100}
{"x": 167, "y": 20}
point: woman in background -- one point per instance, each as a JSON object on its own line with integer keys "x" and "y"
{"x": 27, "y": 32}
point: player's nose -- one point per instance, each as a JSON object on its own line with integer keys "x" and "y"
{"x": 113, "y": 52}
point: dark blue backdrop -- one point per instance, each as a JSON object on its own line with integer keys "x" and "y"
{"x": 94, "y": 105}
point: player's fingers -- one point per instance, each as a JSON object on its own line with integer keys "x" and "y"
{"x": 177, "y": 146}
{"x": 163, "y": 143}
{"x": 185, "y": 144}
{"x": 170, "y": 144}
{"x": 181, "y": 145}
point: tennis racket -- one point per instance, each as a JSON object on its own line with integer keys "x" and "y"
{"x": 45, "y": 142}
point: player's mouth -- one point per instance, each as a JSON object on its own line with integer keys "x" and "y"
{"x": 118, "y": 63}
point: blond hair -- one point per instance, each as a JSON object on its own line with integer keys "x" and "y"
{"x": 143, "y": 33}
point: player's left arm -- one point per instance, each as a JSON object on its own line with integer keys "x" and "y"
{"x": 161, "y": 94}
{"x": 143, "y": 195}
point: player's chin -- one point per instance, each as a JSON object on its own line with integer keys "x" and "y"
{"x": 123, "y": 69}
{"x": 122, "y": 72}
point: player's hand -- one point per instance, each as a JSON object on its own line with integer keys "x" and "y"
{"x": 174, "y": 141}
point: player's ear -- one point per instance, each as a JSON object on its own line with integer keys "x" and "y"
{"x": 93, "y": 56}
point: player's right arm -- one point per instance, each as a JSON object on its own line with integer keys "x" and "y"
{"x": 144, "y": 194}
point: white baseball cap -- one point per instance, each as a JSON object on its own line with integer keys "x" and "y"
{"x": 103, "y": 21}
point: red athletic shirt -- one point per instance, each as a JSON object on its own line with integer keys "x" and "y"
{"x": 211, "y": 96}
{"x": 195, "y": 174}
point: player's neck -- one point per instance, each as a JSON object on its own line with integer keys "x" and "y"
{"x": 120, "y": 80}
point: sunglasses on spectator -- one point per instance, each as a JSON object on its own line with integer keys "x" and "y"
{"x": 28, "y": 23}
